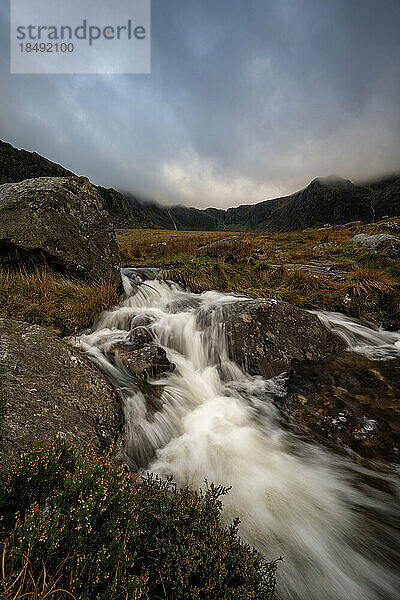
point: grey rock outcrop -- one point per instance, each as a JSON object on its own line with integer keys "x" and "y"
{"x": 268, "y": 337}
{"x": 382, "y": 243}
{"x": 58, "y": 221}
{"x": 50, "y": 388}
{"x": 230, "y": 241}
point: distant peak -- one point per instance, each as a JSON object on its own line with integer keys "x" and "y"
{"x": 331, "y": 180}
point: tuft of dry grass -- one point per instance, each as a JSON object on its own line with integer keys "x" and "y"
{"x": 23, "y": 582}
{"x": 48, "y": 299}
{"x": 367, "y": 281}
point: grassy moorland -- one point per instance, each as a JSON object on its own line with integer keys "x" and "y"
{"x": 45, "y": 298}
{"x": 312, "y": 268}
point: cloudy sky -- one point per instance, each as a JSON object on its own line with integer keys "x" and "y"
{"x": 247, "y": 100}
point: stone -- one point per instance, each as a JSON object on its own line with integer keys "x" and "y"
{"x": 347, "y": 402}
{"x": 382, "y": 243}
{"x": 51, "y": 389}
{"x": 145, "y": 362}
{"x": 60, "y": 222}
{"x": 141, "y": 320}
{"x": 140, "y": 336}
{"x": 226, "y": 242}
{"x": 318, "y": 268}
{"x": 268, "y": 337}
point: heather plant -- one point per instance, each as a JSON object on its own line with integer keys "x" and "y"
{"x": 76, "y": 525}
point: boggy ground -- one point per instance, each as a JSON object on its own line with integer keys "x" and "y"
{"x": 319, "y": 268}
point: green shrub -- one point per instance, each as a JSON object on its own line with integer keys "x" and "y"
{"x": 76, "y": 525}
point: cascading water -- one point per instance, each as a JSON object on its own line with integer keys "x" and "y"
{"x": 333, "y": 521}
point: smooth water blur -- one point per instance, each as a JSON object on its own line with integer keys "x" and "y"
{"x": 334, "y": 522}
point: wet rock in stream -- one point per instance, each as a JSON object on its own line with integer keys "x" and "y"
{"x": 140, "y": 336}
{"x": 142, "y": 363}
{"x": 268, "y": 337}
{"x": 141, "y": 321}
{"x": 348, "y": 402}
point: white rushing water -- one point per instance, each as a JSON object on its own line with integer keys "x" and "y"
{"x": 294, "y": 499}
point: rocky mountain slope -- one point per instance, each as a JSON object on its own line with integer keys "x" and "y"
{"x": 17, "y": 165}
{"x": 325, "y": 200}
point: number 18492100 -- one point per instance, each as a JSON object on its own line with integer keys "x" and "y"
{"x": 47, "y": 47}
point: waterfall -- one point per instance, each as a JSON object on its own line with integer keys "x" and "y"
{"x": 332, "y": 520}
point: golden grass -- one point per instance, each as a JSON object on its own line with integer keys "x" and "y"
{"x": 50, "y": 300}
{"x": 295, "y": 267}
{"x": 366, "y": 281}
{"x": 27, "y": 584}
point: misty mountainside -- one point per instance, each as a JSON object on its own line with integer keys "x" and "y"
{"x": 325, "y": 200}
{"x": 18, "y": 165}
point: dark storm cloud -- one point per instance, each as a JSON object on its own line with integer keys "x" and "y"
{"x": 246, "y": 100}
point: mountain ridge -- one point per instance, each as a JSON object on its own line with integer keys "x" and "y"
{"x": 326, "y": 200}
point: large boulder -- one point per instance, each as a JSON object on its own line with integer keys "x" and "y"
{"x": 50, "y": 389}
{"x": 59, "y": 221}
{"x": 267, "y": 337}
{"x": 381, "y": 243}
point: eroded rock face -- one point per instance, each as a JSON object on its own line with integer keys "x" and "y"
{"x": 51, "y": 389}
{"x": 382, "y": 243}
{"x": 58, "y": 221}
{"x": 268, "y": 337}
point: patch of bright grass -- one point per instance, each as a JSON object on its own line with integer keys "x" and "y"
{"x": 77, "y": 526}
{"x": 45, "y": 298}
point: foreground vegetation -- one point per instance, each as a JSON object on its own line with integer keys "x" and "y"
{"x": 48, "y": 299}
{"x": 78, "y": 526}
{"x": 312, "y": 268}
